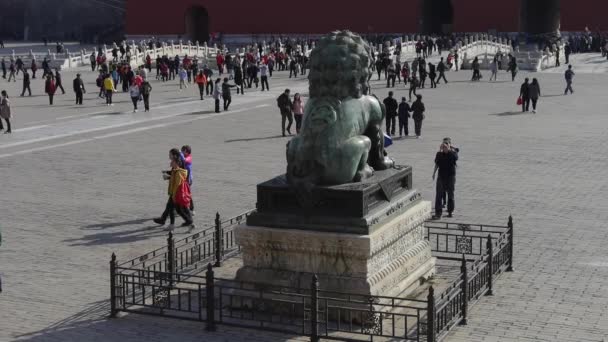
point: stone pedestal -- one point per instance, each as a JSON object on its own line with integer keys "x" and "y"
{"x": 383, "y": 253}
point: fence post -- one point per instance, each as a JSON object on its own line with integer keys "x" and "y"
{"x": 113, "y": 286}
{"x": 314, "y": 309}
{"x": 490, "y": 265}
{"x": 465, "y": 290}
{"x": 430, "y": 316}
{"x": 170, "y": 258}
{"x": 210, "y": 293}
{"x": 219, "y": 237}
{"x": 511, "y": 241}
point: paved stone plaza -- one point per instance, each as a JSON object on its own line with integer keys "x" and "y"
{"x": 79, "y": 183}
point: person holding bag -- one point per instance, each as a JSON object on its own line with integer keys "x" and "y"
{"x": 179, "y": 193}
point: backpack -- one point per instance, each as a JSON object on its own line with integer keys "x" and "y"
{"x": 99, "y": 81}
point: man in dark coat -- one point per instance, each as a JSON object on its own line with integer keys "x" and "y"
{"x": 391, "y": 106}
{"x": 285, "y": 106}
{"x": 78, "y": 86}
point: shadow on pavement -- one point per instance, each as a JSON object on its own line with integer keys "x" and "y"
{"x": 254, "y": 139}
{"x": 511, "y": 113}
{"x": 117, "y": 224}
{"x": 118, "y": 237}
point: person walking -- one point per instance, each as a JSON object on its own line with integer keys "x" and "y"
{"x": 569, "y": 75}
{"x": 26, "y": 83}
{"x": 134, "y": 93}
{"x": 5, "y": 112}
{"x": 201, "y": 81}
{"x": 524, "y": 93}
{"x": 146, "y": 89}
{"x": 413, "y": 86}
{"x": 187, "y": 160}
{"x": 34, "y": 67}
{"x": 476, "y": 73}
{"x": 445, "y": 163}
{"x": 404, "y": 114}
{"x": 226, "y": 95}
{"x": 284, "y": 103}
{"x": 217, "y": 94}
{"x": 3, "y": 66}
{"x": 178, "y": 191}
{"x": 494, "y": 69}
{"x": 534, "y": 93}
{"x": 263, "y": 76}
{"x": 183, "y": 76}
{"x": 50, "y": 88}
{"x": 418, "y": 110}
{"x": 12, "y": 70}
{"x": 391, "y": 106}
{"x": 239, "y": 80}
{"x": 108, "y": 86}
{"x": 78, "y": 86}
{"x": 58, "y": 81}
{"x": 298, "y": 111}
{"x": 567, "y": 52}
{"x": 512, "y": 67}
{"x": 441, "y": 68}
{"x": 208, "y": 73}
{"x": 392, "y": 75}
{"x": 432, "y": 74}
{"x": 93, "y": 60}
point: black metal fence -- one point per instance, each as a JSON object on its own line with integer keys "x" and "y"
{"x": 166, "y": 282}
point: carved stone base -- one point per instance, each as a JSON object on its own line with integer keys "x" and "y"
{"x": 390, "y": 261}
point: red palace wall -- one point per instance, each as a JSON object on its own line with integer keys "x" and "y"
{"x": 159, "y": 17}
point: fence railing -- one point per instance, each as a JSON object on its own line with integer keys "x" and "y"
{"x": 167, "y": 282}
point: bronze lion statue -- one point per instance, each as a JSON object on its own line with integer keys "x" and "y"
{"x": 341, "y": 140}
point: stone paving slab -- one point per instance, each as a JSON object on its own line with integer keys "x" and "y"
{"x": 66, "y": 208}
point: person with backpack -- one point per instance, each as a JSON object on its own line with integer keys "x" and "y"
{"x": 146, "y": 89}
{"x": 50, "y": 88}
{"x": 285, "y": 105}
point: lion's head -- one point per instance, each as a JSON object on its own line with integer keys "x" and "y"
{"x": 339, "y": 66}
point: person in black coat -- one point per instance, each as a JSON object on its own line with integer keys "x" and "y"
{"x": 524, "y": 93}
{"x": 418, "y": 110}
{"x": 58, "y": 83}
{"x": 78, "y": 86}
{"x": 404, "y": 114}
{"x": 26, "y": 83}
{"x": 391, "y": 113}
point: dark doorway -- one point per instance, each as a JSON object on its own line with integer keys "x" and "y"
{"x": 540, "y": 17}
{"x": 437, "y": 16}
{"x": 197, "y": 24}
